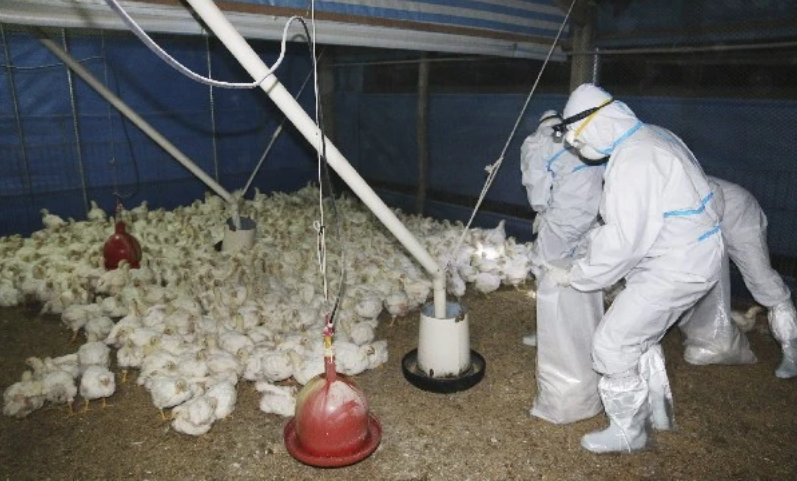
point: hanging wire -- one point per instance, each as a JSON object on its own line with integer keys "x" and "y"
{"x": 212, "y": 111}
{"x": 75, "y": 127}
{"x": 492, "y": 169}
{"x": 157, "y": 50}
{"x": 276, "y": 134}
{"x": 113, "y": 162}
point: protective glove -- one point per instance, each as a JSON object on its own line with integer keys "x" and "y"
{"x": 558, "y": 274}
{"x": 535, "y": 227}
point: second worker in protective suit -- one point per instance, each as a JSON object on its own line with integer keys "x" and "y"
{"x": 661, "y": 233}
{"x": 565, "y": 193}
{"x": 711, "y": 336}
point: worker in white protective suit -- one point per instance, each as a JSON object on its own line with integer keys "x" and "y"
{"x": 661, "y": 233}
{"x": 711, "y": 336}
{"x": 565, "y": 192}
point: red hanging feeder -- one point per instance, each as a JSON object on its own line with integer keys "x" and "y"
{"x": 121, "y": 246}
{"x": 332, "y": 426}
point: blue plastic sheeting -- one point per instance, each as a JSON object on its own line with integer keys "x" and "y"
{"x": 651, "y": 22}
{"x": 530, "y": 17}
{"x": 45, "y": 171}
{"x": 466, "y": 134}
{"x": 732, "y": 139}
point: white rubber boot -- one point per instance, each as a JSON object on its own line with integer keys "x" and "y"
{"x": 530, "y": 339}
{"x": 788, "y": 365}
{"x": 783, "y": 324}
{"x": 625, "y": 400}
{"x": 654, "y": 373}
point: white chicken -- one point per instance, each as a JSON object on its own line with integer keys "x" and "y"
{"x": 97, "y": 383}
{"x": 94, "y": 354}
{"x": 279, "y": 400}
{"x": 10, "y": 295}
{"x": 121, "y": 330}
{"x": 76, "y": 316}
{"x": 129, "y": 356}
{"x": 746, "y": 321}
{"x": 350, "y": 359}
{"x": 96, "y": 214}
{"x": 487, "y": 282}
{"x": 276, "y": 366}
{"x": 98, "y": 328}
{"x": 52, "y": 221}
{"x": 225, "y": 395}
{"x": 363, "y": 332}
{"x": 169, "y": 391}
{"x": 369, "y": 305}
{"x": 59, "y": 388}
{"x": 23, "y": 397}
{"x": 194, "y": 417}
{"x": 377, "y": 353}
{"x": 396, "y": 304}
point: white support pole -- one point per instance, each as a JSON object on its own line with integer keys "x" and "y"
{"x": 248, "y": 58}
{"x": 131, "y": 115}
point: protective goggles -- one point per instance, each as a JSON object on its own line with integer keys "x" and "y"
{"x": 560, "y": 129}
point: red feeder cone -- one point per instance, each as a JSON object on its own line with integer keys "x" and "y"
{"x": 121, "y": 246}
{"x": 332, "y": 426}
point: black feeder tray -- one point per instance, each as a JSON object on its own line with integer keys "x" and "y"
{"x": 421, "y": 380}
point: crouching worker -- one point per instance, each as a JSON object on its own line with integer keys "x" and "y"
{"x": 660, "y": 233}
{"x": 711, "y": 336}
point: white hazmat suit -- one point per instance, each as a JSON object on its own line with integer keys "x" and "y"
{"x": 661, "y": 233}
{"x": 565, "y": 193}
{"x": 712, "y": 338}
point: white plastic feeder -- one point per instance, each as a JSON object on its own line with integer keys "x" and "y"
{"x": 444, "y": 344}
{"x": 444, "y": 361}
{"x": 238, "y": 239}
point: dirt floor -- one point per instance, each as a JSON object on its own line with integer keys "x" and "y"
{"x": 734, "y": 423}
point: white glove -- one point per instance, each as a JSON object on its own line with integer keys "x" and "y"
{"x": 535, "y": 227}
{"x": 559, "y": 275}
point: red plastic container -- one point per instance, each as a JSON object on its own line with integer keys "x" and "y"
{"x": 121, "y": 246}
{"x": 332, "y": 426}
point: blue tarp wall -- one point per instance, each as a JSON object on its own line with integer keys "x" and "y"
{"x": 678, "y": 22}
{"x": 52, "y": 167}
{"x": 733, "y": 139}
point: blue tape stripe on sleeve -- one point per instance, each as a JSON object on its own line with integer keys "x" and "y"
{"x": 708, "y": 234}
{"x": 553, "y": 159}
{"x": 585, "y": 166}
{"x": 674, "y": 213}
{"x": 622, "y": 138}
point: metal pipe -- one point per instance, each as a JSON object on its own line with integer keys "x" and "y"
{"x": 274, "y": 137}
{"x": 666, "y": 50}
{"x": 421, "y": 131}
{"x": 131, "y": 115}
{"x": 248, "y": 58}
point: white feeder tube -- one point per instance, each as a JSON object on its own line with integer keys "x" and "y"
{"x": 132, "y": 115}
{"x": 249, "y": 59}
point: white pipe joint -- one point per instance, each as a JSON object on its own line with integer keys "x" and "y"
{"x": 439, "y": 289}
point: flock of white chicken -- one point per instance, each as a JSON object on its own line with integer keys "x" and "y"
{"x": 193, "y": 320}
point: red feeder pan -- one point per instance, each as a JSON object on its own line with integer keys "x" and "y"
{"x": 332, "y": 427}
{"x": 121, "y": 246}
